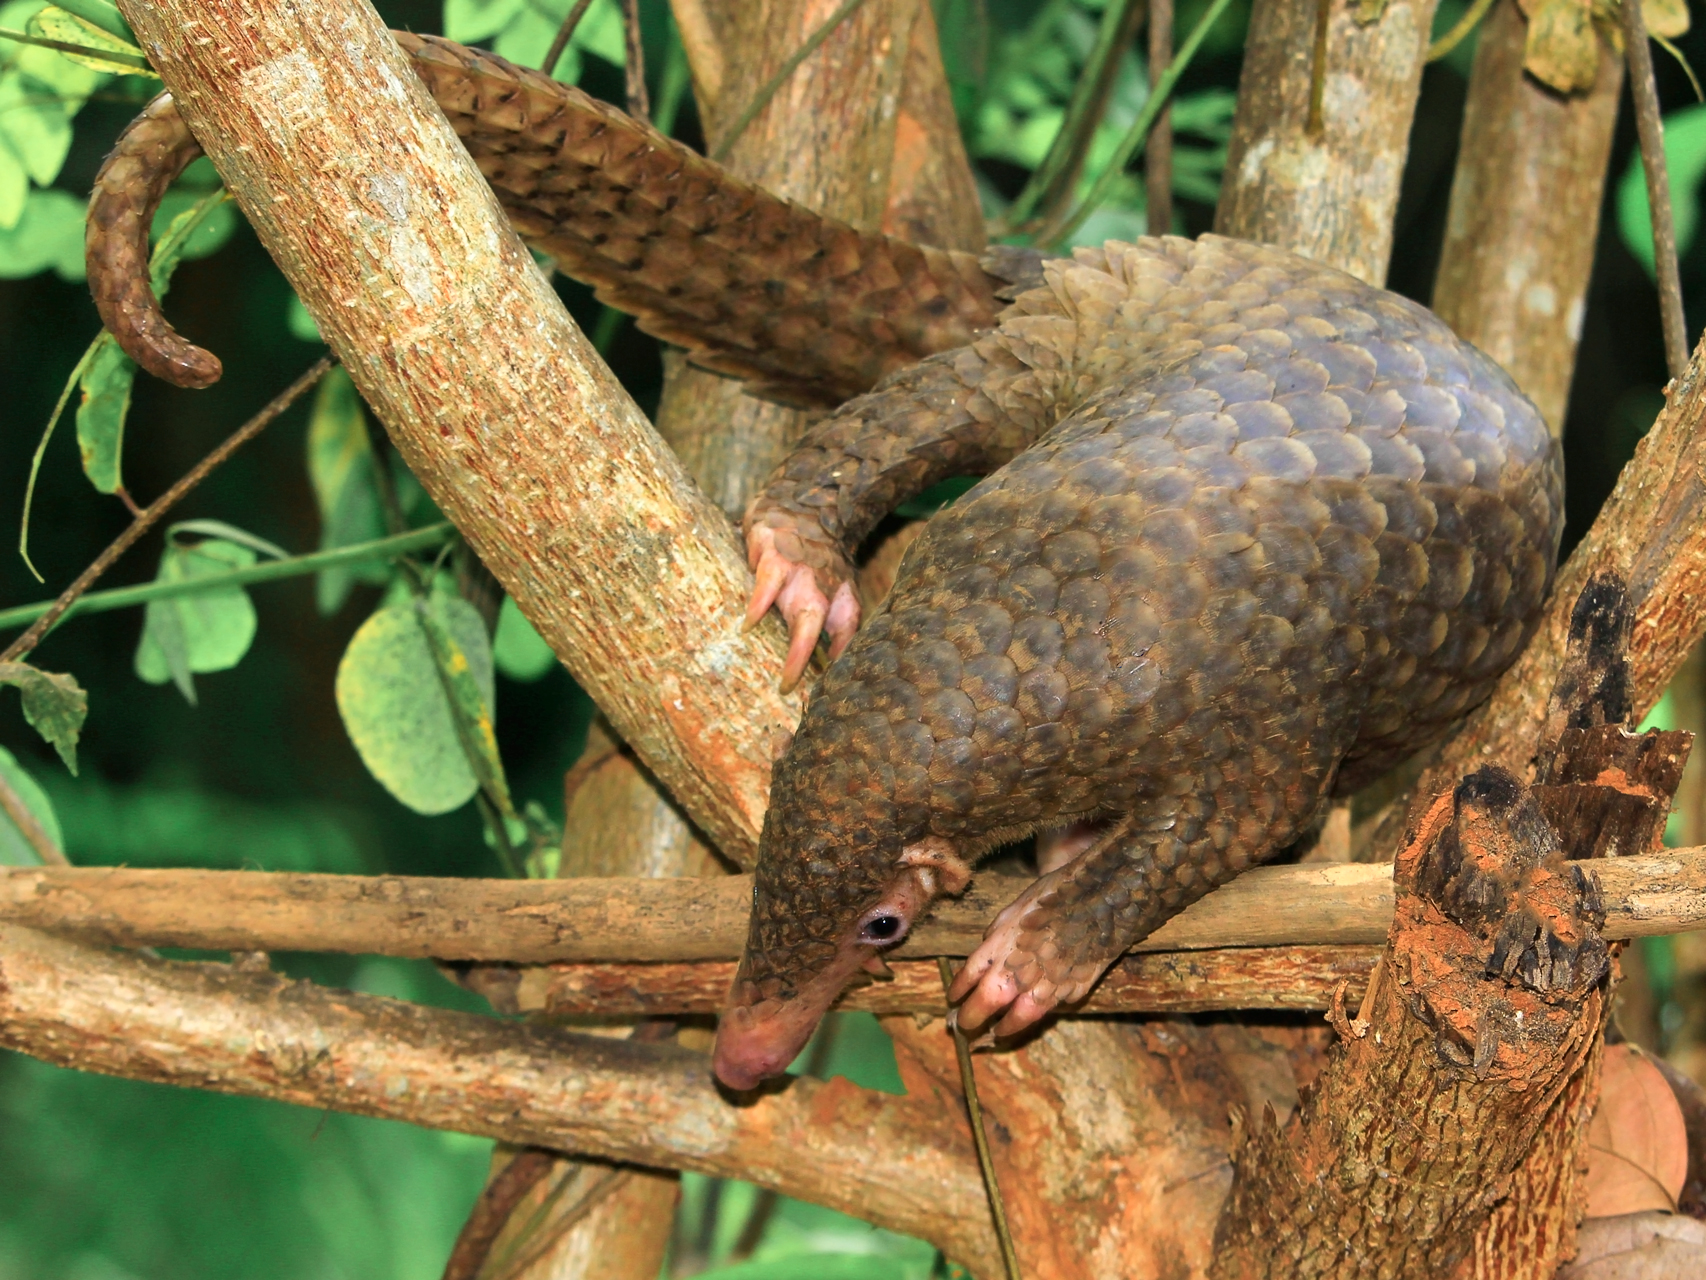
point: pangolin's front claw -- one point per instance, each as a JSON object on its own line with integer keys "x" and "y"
{"x": 1018, "y": 972}
{"x": 792, "y": 584}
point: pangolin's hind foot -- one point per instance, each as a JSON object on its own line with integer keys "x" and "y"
{"x": 809, "y": 582}
{"x": 1025, "y": 967}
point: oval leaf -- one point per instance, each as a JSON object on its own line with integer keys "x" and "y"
{"x": 518, "y": 650}
{"x": 1637, "y": 1144}
{"x": 398, "y": 715}
{"x": 55, "y": 705}
{"x": 15, "y": 847}
{"x": 54, "y": 23}
{"x": 105, "y": 384}
{"x": 340, "y": 467}
{"x": 1563, "y": 48}
{"x": 1685, "y": 161}
{"x": 199, "y": 633}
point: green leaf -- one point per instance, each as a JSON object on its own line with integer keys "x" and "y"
{"x": 519, "y": 651}
{"x": 35, "y": 125}
{"x": 54, "y": 704}
{"x": 463, "y": 653}
{"x": 14, "y": 188}
{"x": 15, "y": 848}
{"x": 200, "y": 633}
{"x": 230, "y": 533}
{"x": 49, "y": 233}
{"x": 101, "y": 14}
{"x": 396, "y": 709}
{"x": 211, "y": 232}
{"x": 54, "y": 23}
{"x": 1685, "y": 160}
{"x": 302, "y": 324}
{"x": 340, "y": 468}
{"x": 106, "y": 383}
{"x": 469, "y": 20}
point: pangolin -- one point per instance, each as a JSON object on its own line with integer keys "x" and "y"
{"x": 1251, "y": 532}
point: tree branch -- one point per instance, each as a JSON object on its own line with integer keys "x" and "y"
{"x": 705, "y": 918}
{"x": 493, "y": 397}
{"x": 905, "y": 1163}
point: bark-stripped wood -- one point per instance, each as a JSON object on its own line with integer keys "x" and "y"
{"x": 1524, "y": 214}
{"x": 1298, "y": 978}
{"x": 640, "y": 920}
{"x": 1330, "y": 193}
{"x": 493, "y": 397}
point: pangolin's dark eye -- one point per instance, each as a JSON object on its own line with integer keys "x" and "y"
{"x": 882, "y": 928}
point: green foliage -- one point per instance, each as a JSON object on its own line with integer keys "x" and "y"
{"x": 340, "y": 467}
{"x": 518, "y": 650}
{"x": 55, "y": 705}
{"x": 396, "y": 708}
{"x": 524, "y": 30}
{"x": 1685, "y": 161}
{"x": 47, "y": 236}
{"x": 209, "y": 631}
{"x": 15, "y": 848}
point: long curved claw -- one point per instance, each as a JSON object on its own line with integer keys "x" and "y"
{"x": 843, "y": 618}
{"x": 1017, "y": 973}
{"x": 790, "y": 584}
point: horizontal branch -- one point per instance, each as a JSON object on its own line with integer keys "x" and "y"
{"x": 1297, "y": 978}
{"x": 533, "y": 922}
{"x": 905, "y": 1163}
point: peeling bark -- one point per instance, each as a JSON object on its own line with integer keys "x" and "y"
{"x": 1327, "y": 193}
{"x": 1524, "y": 215}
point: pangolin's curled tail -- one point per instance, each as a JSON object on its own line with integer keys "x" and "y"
{"x": 152, "y": 151}
{"x": 808, "y": 308}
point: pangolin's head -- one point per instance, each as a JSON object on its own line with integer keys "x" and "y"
{"x": 845, "y": 868}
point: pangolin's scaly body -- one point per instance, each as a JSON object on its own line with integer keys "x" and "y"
{"x": 1254, "y": 530}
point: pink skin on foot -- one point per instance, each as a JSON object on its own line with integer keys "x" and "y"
{"x": 791, "y": 584}
{"x": 1017, "y": 972}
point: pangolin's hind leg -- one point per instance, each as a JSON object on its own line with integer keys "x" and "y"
{"x": 1051, "y": 944}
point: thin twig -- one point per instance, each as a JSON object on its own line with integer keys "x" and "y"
{"x": 761, "y": 99}
{"x": 492, "y": 1210}
{"x": 1158, "y": 153}
{"x": 1050, "y": 186}
{"x": 82, "y": 51}
{"x": 164, "y": 503}
{"x": 974, "y": 1109}
{"x": 565, "y": 33}
{"x": 634, "y": 62}
{"x": 1135, "y": 136}
{"x": 12, "y": 804}
{"x": 1459, "y": 32}
{"x": 1316, "y": 124}
{"x": 1651, "y": 130}
{"x": 422, "y": 539}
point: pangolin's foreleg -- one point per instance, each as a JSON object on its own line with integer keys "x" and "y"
{"x": 1049, "y": 946}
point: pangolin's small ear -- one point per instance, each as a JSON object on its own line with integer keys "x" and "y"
{"x": 936, "y": 857}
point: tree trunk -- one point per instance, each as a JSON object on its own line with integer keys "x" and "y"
{"x": 1524, "y": 218}
{"x": 1318, "y": 142}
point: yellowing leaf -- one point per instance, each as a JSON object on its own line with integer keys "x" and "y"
{"x": 1562, "y": 49}
{"x": 340, "y": 467}
{"x": 395, "y": 707}
{"x": 1667, "y": 18}
{"x": 54, "y": 23}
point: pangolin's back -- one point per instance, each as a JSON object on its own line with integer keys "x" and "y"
{"x": 1285, "y": 521}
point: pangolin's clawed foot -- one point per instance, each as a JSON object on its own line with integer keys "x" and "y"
{"x": 809, "y": 585}
{"x": 1021, "y": 971}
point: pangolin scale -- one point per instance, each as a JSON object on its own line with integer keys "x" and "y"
{"x": 1252, "y": 532}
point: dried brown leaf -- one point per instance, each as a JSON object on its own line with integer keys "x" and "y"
{"x": 1637, "y": 1143}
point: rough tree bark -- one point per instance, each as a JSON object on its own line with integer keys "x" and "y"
{"x": 493, "y": 397}
{"x": 1524, "y": 215}
{"x": 1318, "y": 150}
